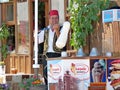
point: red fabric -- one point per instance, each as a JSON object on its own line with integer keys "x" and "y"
{"x": 53, "y": 12}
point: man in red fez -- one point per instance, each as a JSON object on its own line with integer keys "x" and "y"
{"x": 53, "y": 12}
{"x": 48, "y": 46}
{"x": 54, "y": 21}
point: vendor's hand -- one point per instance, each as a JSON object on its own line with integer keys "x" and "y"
{"x": 56, "y": 28}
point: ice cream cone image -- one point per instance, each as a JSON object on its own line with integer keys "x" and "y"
{"x": 73, "y": 68}
{"x": 97, "y": 72}
{"x": 51, "y": 69}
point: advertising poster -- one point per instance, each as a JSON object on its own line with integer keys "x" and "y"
{"x": 113, "y": 77}
{"x": 23, "y": 41}
{"x": 23, "y": 38}
{"x": 97, "y": 70}
{"x": 107, "y": 16}
{"x": 69, "y": 74}
{"x": 110, "y": 15}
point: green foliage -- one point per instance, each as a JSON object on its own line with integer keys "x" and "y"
{"x": 82, "y": 15}
{"x": 4, "y": 51}
{"x": 26, "y": 83}
{"x": 32, "y": 81}
{"x": 4, "y": 33}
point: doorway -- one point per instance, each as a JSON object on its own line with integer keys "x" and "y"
{"x": 41, "y": 15}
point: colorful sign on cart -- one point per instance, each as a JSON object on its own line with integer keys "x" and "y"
{"x": 113, "y": 78}
{"x": 97, "y": 70}
{"x": 69, "y": 74}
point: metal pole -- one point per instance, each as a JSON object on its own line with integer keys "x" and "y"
{"x": 36, "y": 65}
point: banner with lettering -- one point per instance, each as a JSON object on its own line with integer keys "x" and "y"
{"x": 68, "y": 74}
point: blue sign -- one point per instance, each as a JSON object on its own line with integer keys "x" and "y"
{"x": 118, "y": 14}
{"x": 108, "y": 16}
{"x": 2, "y": 1}
{"x": 111, "y": 15}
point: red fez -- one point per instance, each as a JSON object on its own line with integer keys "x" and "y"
{"x": 53, "y": 12}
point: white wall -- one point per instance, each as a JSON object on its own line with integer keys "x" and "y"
{"x": 59, "y": 5}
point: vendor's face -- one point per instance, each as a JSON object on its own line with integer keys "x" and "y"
{"x": 54, "y": 19}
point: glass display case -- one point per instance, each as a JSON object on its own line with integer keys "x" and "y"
{"x": 23, "y": 33}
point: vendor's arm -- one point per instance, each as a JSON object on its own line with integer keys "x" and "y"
{"x": 63, "y": 36}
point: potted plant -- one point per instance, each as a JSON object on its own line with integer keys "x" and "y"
{"x": 4, "y": 33}
{"x": 33, "y": 83}
{"x": 83, "y": 13}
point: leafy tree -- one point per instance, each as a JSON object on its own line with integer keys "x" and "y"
{"x": 82, "y": 15}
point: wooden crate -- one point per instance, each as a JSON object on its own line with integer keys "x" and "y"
{"x": 22, "y": 63}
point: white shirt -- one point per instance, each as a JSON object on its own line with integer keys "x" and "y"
{"x": 50, "y": 39}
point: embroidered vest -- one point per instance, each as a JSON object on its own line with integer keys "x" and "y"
{"x": 54, "y": 41}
